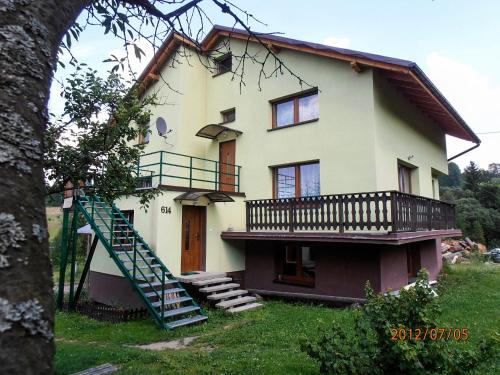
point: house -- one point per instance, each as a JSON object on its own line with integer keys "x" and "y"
{"x": 299, "y": 191}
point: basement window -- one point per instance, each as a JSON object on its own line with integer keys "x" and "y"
{"x": 296, "y": 265}
{"x": 223, "y": 64}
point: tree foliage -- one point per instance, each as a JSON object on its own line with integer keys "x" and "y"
{"x": 95, "y": 140}
{"x": 374, "y": 349}
{"x": 454, "y": 177}
{"x": 477, "y": 204}
{"x": 473, "y": 176}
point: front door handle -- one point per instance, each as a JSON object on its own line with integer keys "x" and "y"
{"x": 197, "y": 236}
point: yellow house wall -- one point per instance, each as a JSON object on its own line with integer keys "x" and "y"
{"x": 162, "y": 232}
{"x": 404, "y": 133}
{"x": 342, "y": 138}
{"x": 364, "y": 127}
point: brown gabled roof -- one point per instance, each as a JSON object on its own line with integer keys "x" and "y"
{"x": 406, "y": 75}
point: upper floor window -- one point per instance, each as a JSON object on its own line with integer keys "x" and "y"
{"x": 404, "y": 178}
{"x": 223, "y": 64}
{"x": 228, "y": 115}
{"x": 294, "y": 181}
{"x": 296, "y": 109}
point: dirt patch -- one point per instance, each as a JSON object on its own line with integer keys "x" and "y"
{"x": 174, "y": 344}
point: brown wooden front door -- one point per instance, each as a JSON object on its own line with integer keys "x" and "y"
{"x": 227, "y": 152}
{"x": 193, "y": 237}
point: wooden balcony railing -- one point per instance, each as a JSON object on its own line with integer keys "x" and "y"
{"x": 391, "y": 211}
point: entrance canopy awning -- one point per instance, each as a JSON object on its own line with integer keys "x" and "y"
{"x": 212, "y": 131}
{"x": 201, "y": 196}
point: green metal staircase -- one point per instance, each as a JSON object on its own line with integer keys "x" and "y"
{"x": 162, "y": 294}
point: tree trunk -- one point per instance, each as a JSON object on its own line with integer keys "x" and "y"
{"x": 30, "y": 33}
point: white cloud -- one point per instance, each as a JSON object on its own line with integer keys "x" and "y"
{"x": 476, "y": 98}
{"x": 341, "y": 42}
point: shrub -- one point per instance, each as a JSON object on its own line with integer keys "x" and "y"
{"x": 372, "y": 350}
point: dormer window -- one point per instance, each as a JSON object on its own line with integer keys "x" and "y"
{"x": 228, "y": 115}
{"x": 223, "y": 64}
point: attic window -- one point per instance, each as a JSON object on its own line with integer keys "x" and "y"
{"x": 224, "y": 64}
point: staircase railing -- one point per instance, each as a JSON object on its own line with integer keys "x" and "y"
{"x": 158, "y": 272}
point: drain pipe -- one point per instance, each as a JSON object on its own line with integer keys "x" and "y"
{"x": 466, "y": 151}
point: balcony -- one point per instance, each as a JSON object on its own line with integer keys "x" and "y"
{"x": 169, "y": 168}
{"x": 388, "y": 211}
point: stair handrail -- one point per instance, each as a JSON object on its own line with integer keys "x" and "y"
{"x": 159, "y": 277}
{"x": 111, "y": 238}
{"x": 143, "y": 242}
{"x": 163, "y": 266}
{"x": 165, "y": 271}
{"x": 159, "y": 319}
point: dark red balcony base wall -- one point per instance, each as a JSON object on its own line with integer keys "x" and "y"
{"x": 393, "y": 267}
{"x": 431, "y": 258}
{"x": 112, "y": 290}
{"x": 341, "y": 269}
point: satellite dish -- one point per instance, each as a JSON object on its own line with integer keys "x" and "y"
{"x": 161, "y": 126}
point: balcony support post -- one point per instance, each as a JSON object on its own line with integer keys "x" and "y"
{"x": 394, "y": 215}
{"x": 161, "y": 166}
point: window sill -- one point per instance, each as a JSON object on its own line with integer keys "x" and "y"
{"x": 293, "y": 125}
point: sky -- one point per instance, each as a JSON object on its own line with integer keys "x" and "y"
{"x": 455, "y": 42}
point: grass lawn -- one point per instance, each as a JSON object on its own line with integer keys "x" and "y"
{"x": 54, "y": 220}
{"x": 265, "y": 341}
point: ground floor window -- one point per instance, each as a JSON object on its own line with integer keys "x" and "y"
{"x": 122, "y": 234}
{"x": 295, "y": 264}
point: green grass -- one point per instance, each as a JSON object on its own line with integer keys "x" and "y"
{"x": 265, "y": 341}
{"x": 54, "y": 220}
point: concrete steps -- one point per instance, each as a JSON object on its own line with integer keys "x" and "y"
{"x": 222, "y": 291}
{"x": 217, "y": 288}
{"x": 225, "y": 295}
{"x": 235, "y": 302}
{"x": 242, "y": 308}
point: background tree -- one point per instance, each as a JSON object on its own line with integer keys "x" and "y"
{"x": 473, "y": 176}
{"x": 454, "y": 177}
{"x": 32, "y": 32}
{"x": 477, "y": 205}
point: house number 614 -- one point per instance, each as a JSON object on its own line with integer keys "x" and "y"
{"x": 166, "y": 210}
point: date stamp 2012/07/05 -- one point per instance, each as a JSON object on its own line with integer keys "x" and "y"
{"x": 427, "y": 333}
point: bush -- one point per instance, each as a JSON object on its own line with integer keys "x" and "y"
{"x": 373, "y": 349}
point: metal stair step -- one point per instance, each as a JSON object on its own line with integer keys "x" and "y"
{"x": 187, "y": 321}
{"x": 211, "y": 289}
{"x": 147, "y": 276}
{"x": 172, "y": 301}
{"x": 138, "y": 260}
{"x": 147, "y": 267}
{"x": 156, "y": 283}
{"x": 232, "y": 293}
{"x": 235, "y": 301}
{"x": 167, "y": 291}
{"x": 212, "y": 281}
{"x": 182, "y": 310}
{"x": 238, "y": 309}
